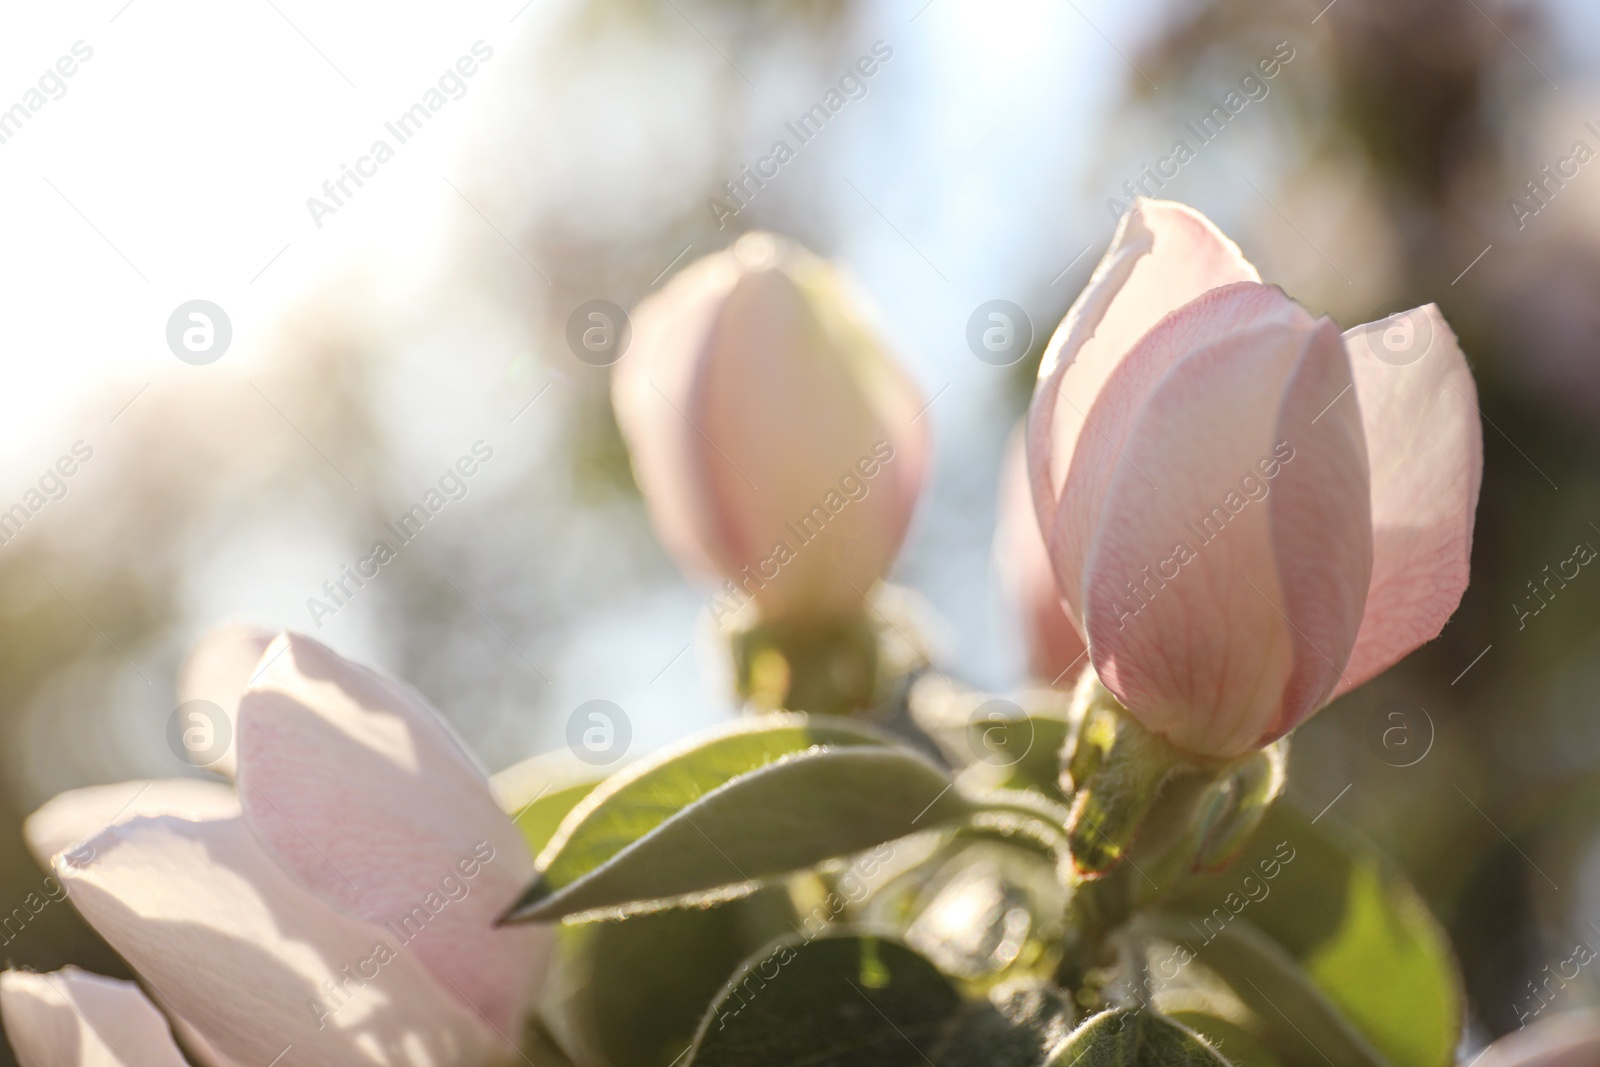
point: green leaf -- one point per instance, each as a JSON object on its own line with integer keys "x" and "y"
{"x": 538, "y": 792}
{"x": 1299, "y": 1017}
{"x": 1006, "y": 743}
{"x": 1341, "y": 914}
{"x": 842, "y": 1000}
{"x": 659, "y": 972}
{"x": 765, "y": 798}
{"x": 1241, "y": 1047}
{"x": 984, "y": 910}
{"x": 1016, "y": 1028}
{"x": 539, "y": 819}
{"x": 1134, "y": 1037}
{"x": 1021, "y": 751}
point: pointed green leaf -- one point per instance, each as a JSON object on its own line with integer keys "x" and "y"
{"x": 1134, "y": 1037}
{"x": 843, "y": 999}
{"x": 1239, "y": 1046}
{"x": 1017, "y": 1028}
{"x": 765, "y": 798}
{"x": 1350, "y": 922}
{"x": 538, "y": 792}
{"x": 659, "y": 972}
{"x": 1301, "y": 1020}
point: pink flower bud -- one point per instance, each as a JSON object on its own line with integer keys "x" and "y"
{"x": 1055, "y": 651}
{"x": 1248, "y": 514}
{"x": 778, "y": 445}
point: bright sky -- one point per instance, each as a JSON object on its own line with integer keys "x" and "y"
{"x": 175, "y": 164}
{"x": 178, "y": 160}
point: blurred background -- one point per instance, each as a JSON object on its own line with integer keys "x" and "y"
{"x": 379, "y": 337}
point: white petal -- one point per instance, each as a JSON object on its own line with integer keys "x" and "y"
{"x": 1425, "y": 443}
{"x": 69, "y": 819}
{"x": 256, "y": 965}
{"x": 1164, "y": 255}
{"x": 358, "y": 790}
{"x": 71, "y": 1018}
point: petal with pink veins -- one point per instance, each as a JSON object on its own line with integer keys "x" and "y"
{"x": 359, "y": 790}
{"x": 261, "y": 969}
{"x": 1164, "y": 255}
{"x": 71, "y": 1018}
{"x": 1425, "y": 441}
{"x": 1206, "y": 321}
{"x": 1227, "y": 644}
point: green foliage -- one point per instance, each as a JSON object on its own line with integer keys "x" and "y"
{"x": 1017, "y": 1027}
{"x": 769, "y": 797}
{"x": 540, "y": 818}
{"x": 844, "y": 999}
{"x": 1134, "y": 1037}
{"x": 1239, "y": 1046}
{"x": 655, "y": 973}
{"x": 986, "y": 942}
{"x": 1339, "y": 942}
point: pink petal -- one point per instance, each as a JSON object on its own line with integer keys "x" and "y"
{"x": 1056, "y": 655}
{"x": 1233, "y": 647}
{"x": 218, "y": 669}
{"x": 1208, "y": 320}
{"x": 798, "y": 398}
{"x": 71, "y": 1018}
{"x": 755, "y": 395}
{"x": 1571, "y": 1039}
{"x": 356, "y": 786}
{"x": 650, "y": 390}
{"x": 254, "y": 964}
{"x": 1426, "y": 448}
{"x": 71, "y": 818}
{"x": 1164, "y": 254}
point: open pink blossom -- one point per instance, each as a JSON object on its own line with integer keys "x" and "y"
{"x": 1056, "y": 655}
{"x": 335, "y": 905}
{"x": 777, "y": 443}
{"x": 1248, "y": 514}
